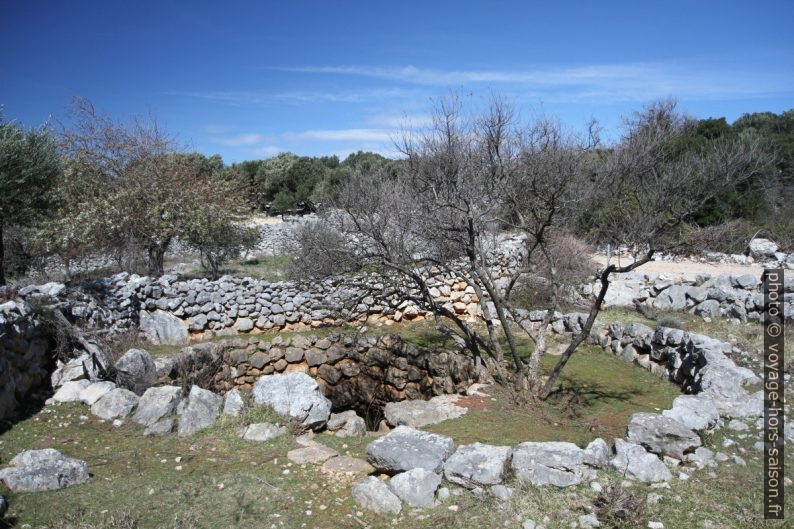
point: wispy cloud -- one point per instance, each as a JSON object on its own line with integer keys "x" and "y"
{"x": 264, "y": 98}
{"x": 334, "y": 135}
{"x": 589, "y": 83}
{"x": 240, "y": 140}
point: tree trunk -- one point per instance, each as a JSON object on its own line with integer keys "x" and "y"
{"x": 156, "y": 260}
{"x": 2, "y": 259}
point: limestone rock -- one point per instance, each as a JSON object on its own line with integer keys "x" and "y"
{"x": 163, "y": 328}
{"x": 136, "y": 371}
{"x": 405, "y": 448}
{"x": 374, "y": 495}
{"x": 662, "y": 435}
{"x": 70, "y": 391}
{"x": 314, "y": 454}
{"x": 200, "y": 410}
{"x": 347, "y": 424}
{"x": 156, "y": 403}
{"x": 263, "y": 431}
{"x": 554, "y": 463}
{"x": 95, "y": 391}
{"x": 233, "y": 403}
{"x": 115, "y": 404}
{"x": 295, "y": 395}
{"x": 40, "y": 470}
{"x": 416, "y": 487}
{"x": 634, "y": 462}
{"x": 477, "y": 465}
{"x": 696, "y": 412}
{"x": 418, "y": 413}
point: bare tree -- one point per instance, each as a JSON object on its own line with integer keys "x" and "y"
{"x": 470, "y": 177}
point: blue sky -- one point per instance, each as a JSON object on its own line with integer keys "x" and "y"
{"x": 249, "y": 79}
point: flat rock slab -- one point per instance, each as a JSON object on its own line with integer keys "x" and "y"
{"x": 70, "y": 391}
{"x": 696, "y": 412}
{"x": 95, "y": 391}
{"x": 374, "y": 495}
{"x": 295, "y": 395}
{"x": 662, "y": 435}
{"x": 418, "y": 413}
{"x": 405, "y": 448}
{"x": 346, "y": 465}
{"x": 554, "y": 463}
{"x": 233, "y": 403}
{"x": 315, "y": 454}
{"x": 201, "y": 409}
{"x": 477, "y": 465}
{"x": 263, "y": 431}
{"x": 40, "y": 470}
{"x": 416, "y": 487}
{"x": 115, "y": 404}
{"x": 156, "y": 403}
{"x": 634, "y": 462}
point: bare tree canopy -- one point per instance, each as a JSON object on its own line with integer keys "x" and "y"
{"x": 471, "y": 180}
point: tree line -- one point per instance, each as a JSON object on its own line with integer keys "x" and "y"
{"x": 95, "y": 185}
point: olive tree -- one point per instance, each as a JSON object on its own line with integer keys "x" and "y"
{"x": 29, "y": 165}
{"x": 137, "y": 193}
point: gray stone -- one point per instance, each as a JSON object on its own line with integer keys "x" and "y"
{"x": 416, "y": 487}
{"x": 115, "y": 404}
{"x": 163, "y": 328}
{"x": 41, "y": 470}
{"x": 295, "y": 395}
{"x": 405, "y": 448}
{"x": 477, "y": 465}
{"x": 634, "y": 462}
{"x": 95, "y": 391}
{"x": 671, "y": 298}
{"x": 156, "y": 403}
{"x": 696, "y": 412}
{"x": 707, "y": 309}
{"x": 161, "y": 427}
{"x": 244, "y": 324}
{"x": 589, "y": 521}
{"x": 197, "y": 323}
{"x": 763, "y": 248}
{"x": 502, "y": 493}
{"x": 263, "y": 431}
{"x": 596, "y": 454}
{"x": 662, "y": 435}
{"x": 555, "y": 463}
{"x": 374, "y": 495}
{"x": 136, "y": 371}
{"x": 347, "y": 424}
{"x": 418, "y": 413}
{"x": 200, "y": 410}
{"x": 746, "y": 281}
{"x": 70, "y": 391}
{"x": 233, "y": 403}
{"x": 313, "y": 454}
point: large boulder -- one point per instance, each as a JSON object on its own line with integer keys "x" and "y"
{"x": 115, "y": 404}
{"x": 163, "y": 328}
{"x": 696, "y": 412}
{"x": 157, "y": 403}
{"x": 405, "y": 448}
{"x": 671, "y": 298}
{"x": 200, "y": 410}
{"x": 374, "y": 495}
{"x": 634, "y": 462}
{"x": 40, "y": 470}
{"x": 763, "y": 248}
{"x": 477, "y": 465}
{"x": 95, "y": 391}
{"x": 136, "y": 371}
{"x": 662, "y": 435}
{"x": 555, "y": 463}
{"x": 70, "y": 391}
{"x": 416, "y": 487}
{"x": 295, "y": 395}
{"x": 418, "y": 413}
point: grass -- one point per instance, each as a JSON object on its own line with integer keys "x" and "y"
{"x": 267, "y": 267}
{"x": 223, "y": 481}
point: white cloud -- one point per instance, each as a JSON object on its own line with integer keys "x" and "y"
{"x": 364, "y": 135}
{"x": 240, "y": 140}
{"x": 266, "y": 151}
{"x": 592, "y": 83}
{"x": 264, "y": 98}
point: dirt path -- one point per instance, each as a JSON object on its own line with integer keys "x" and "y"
{"x": 688, "y": 268}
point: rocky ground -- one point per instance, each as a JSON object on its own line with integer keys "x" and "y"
{"x": 239, "y": 473}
